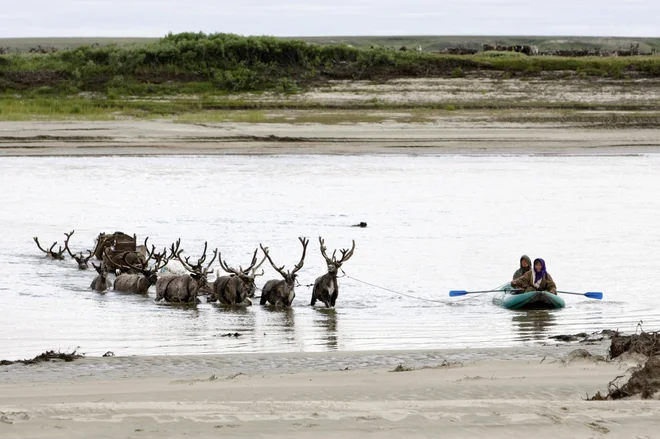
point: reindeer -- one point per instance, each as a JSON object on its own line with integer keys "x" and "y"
{"x": 184, "y": 288}
{"x": 56, "y": 255}
{"x": 281, "y": 292}
{"x": 138, "y": 279}
{"x": 236, "y": 288}
{"x": 79, "y": 258}
{"x": 326, "y": 288}
{"x": 100, "y": 282}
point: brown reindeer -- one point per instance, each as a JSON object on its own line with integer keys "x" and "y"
{"x": 236, "y": 288}
{"x": 138, "y": 278}
{"x": 101, "y": 281}
{"x": 82, "y": 261}
{"x": 326, "y": 288}
{"x": 282, "y": 292}
{"x": 57, "y": 255}
{"x": 184, "y": 288}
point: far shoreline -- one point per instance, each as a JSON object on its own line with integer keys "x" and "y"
{"x": 442, "y": 138}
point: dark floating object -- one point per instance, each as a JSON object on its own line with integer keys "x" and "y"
{"x": 361, "y": 224}
{"x": 229, "y": 334}
{"x": 109, "y": 354}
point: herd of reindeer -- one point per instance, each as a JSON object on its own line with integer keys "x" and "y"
{"x": 531, "y": 50}
{"x": 137, "y": 268}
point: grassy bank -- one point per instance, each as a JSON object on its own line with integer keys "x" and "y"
{"x": 226, "y": 111}
{"x": 218, "y": 64}
{"x": 78, "y": 108}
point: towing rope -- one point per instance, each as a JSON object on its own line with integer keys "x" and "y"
{"x": 376, "y": 286}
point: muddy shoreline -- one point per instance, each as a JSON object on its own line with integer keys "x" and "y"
{"x": 95, "y": 366}
{"x": 165, "y": 137}
{"x": 521, "y": 393}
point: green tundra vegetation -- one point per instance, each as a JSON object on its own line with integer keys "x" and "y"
{"x": 194, "y": 72}
{"x": 224, "y": 63}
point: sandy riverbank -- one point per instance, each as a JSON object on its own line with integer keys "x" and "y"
{"x": 205, "y": 396}
{"x": 443, "y": 137}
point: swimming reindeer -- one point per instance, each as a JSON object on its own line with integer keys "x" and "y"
{"x": 184, "y": 288}
{"x": 57, "y": 255}
{"x": 138, "y": 278}
{"x": 82, "y": 261}
{"x": 236, "y": 288}
{"x": 326, "y": 288}
{"x": 282, "y": 292}
{"x": 101, "y": 281}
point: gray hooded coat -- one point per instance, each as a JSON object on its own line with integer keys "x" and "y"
{"x": 519, "y": 272}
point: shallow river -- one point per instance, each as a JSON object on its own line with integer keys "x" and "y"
{"x": 434, "y": 224}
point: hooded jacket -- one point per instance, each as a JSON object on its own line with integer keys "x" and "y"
{"x": 519, "y": 272}
{"x": 526, "y": 282}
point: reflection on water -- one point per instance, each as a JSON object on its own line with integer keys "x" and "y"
{"x": 326, "y": 319}
{"x": 435, "y": 224}
{"x": 533, "y": 324}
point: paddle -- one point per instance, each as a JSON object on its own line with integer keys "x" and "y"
{"x": 455, "y": 293}
{"x": 591, "y": 295}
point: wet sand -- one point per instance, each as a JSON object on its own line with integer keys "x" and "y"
{"x": 447, "y": 137}
{"x": 463, "y": 393}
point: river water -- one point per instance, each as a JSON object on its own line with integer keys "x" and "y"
{"x": 434, "y": 224}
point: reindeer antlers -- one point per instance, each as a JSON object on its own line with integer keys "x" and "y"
{"x": 55, "y": 255}
{"x": 79, "y": 257}
{"x": 280, "y": 270}
{"x": 251, "y": 270}
{"x": 66, "y": 243}
{"x": 224, "y": 265}
{"x": 297, "y": 267}
{"x": 39, "y": 245}
{"x": 345, "y": 254}
{"x": 255, "y": 268}
{"x": 197, "y": 268}
{"x": 304, "y": 242}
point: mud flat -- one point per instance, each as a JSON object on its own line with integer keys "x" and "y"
{"x": 401, "y": 116}
{"x": 463, "y": 394}
{"x": 444, "y": 137}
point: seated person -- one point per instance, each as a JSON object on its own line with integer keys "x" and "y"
{"x": 525, "y": 266}
{"x": 536, "y": 280}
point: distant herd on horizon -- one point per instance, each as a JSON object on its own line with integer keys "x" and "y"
{"x": 526, "y": 49}
{"x": 178, "y": 280}
{"x": 531, "y": 50}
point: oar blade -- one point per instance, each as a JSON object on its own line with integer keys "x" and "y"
{"x": 594, "y": 295}
{"x": 455, "y": 293}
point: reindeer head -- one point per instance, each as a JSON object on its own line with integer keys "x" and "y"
{"x": 102, "y": 270}
{"x": 160, "y": 260}
{"x": 333, "y": 264}
{"x": 247, "y": 275}
{"x": 57, "y": 255}
{"x": 79, "y": 258}
{"x": 289, "y": 276}
{"x": 197, "y": 271}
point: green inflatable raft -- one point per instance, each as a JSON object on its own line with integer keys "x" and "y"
{"x": 531, "y": 300}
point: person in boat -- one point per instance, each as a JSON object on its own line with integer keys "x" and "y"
{"x": 537, "y": 279}
{"x": 525, "y": 266}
